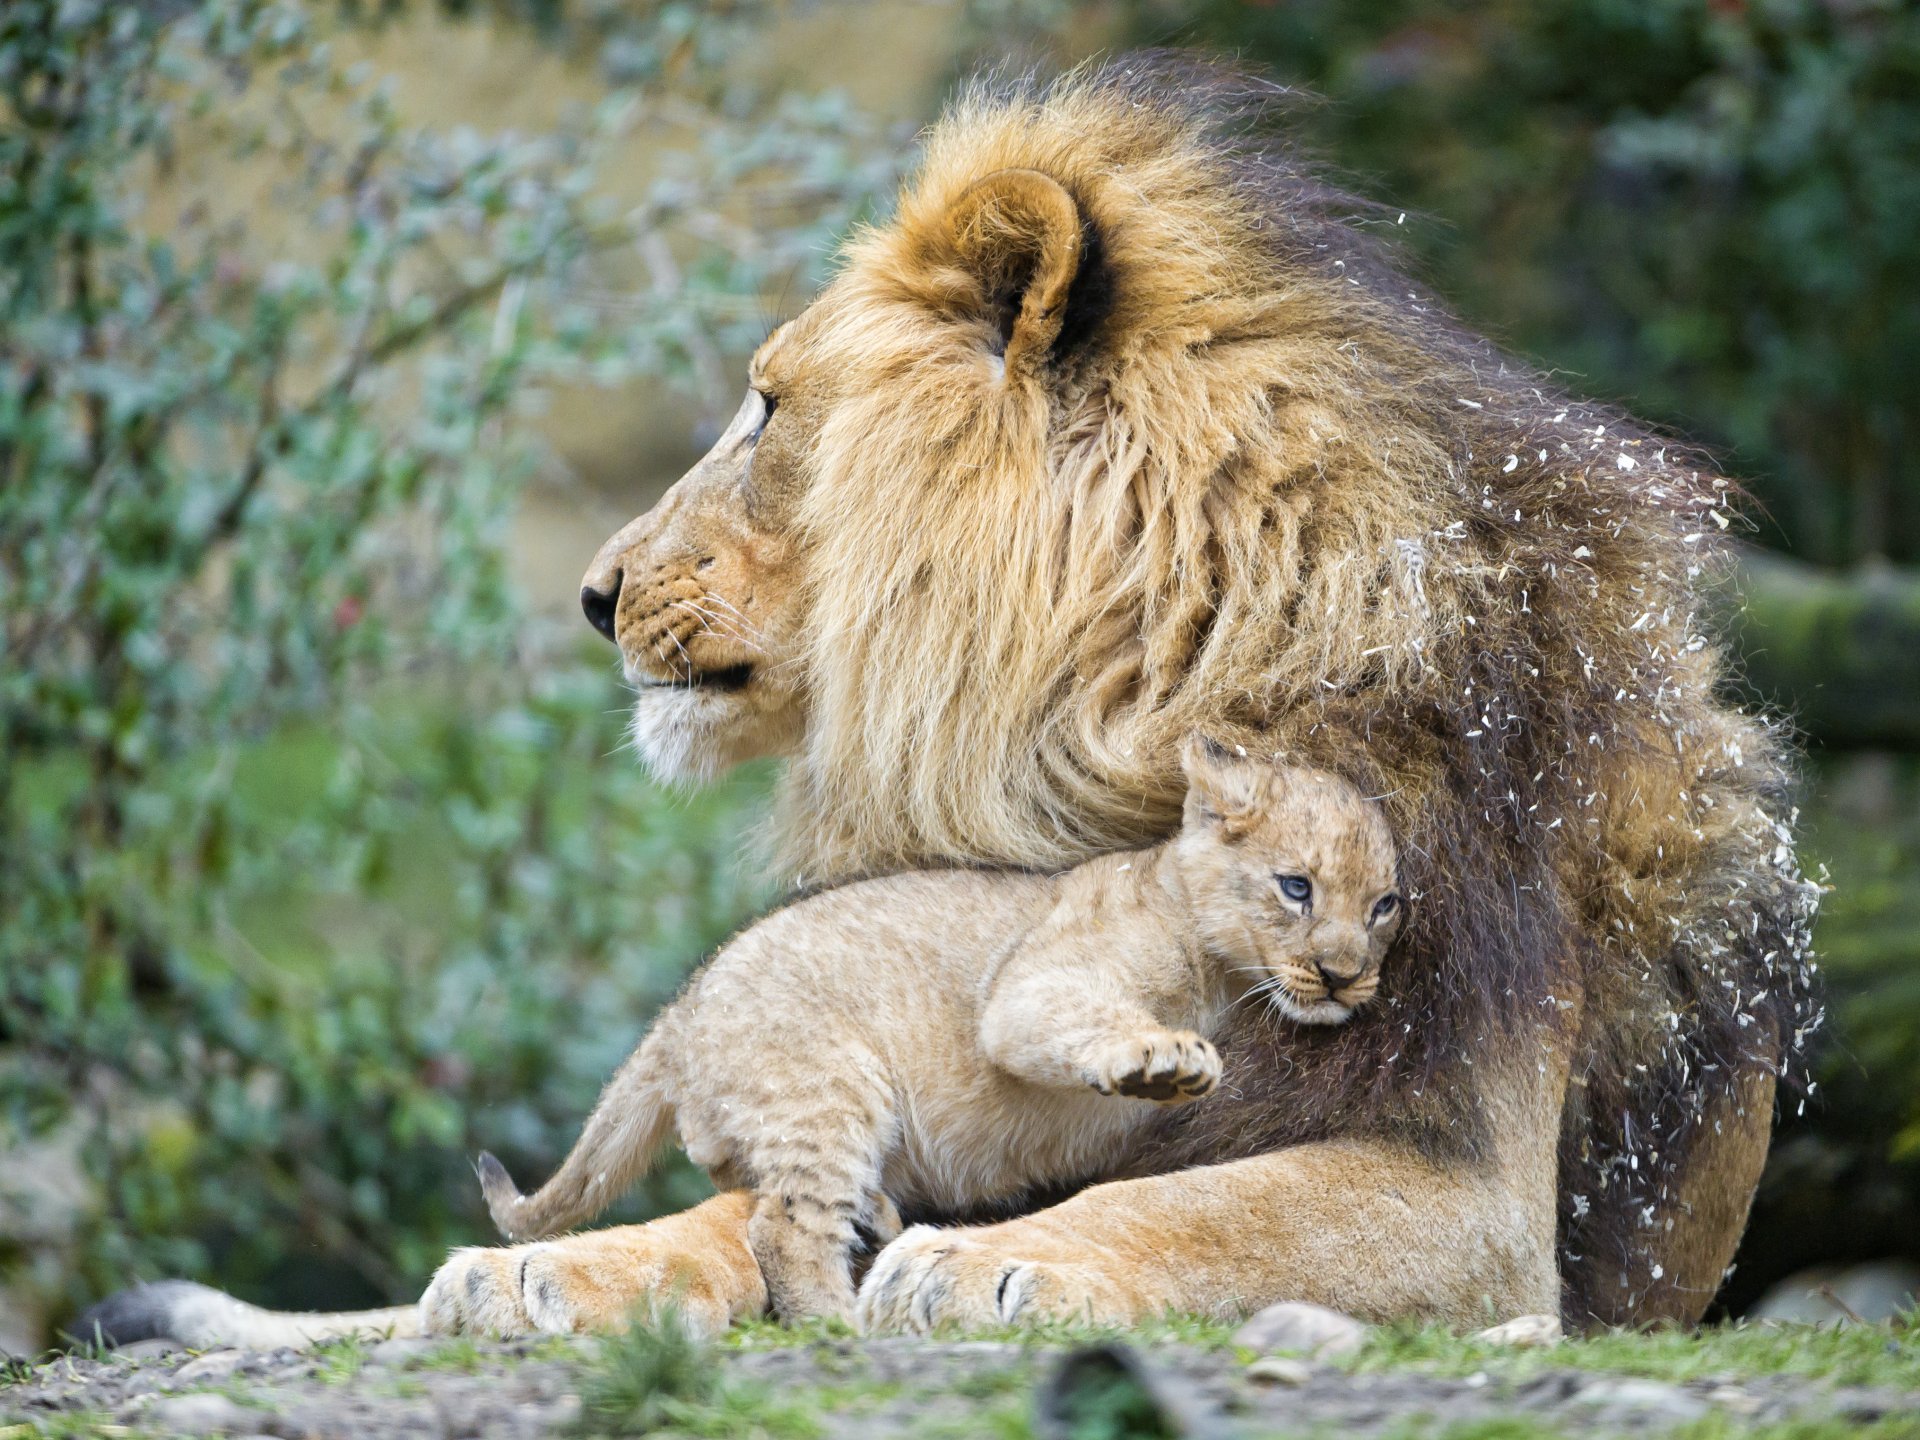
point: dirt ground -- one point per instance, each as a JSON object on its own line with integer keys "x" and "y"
{"x": 883, "y": 1389}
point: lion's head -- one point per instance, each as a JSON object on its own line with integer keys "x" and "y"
{"x": 1119, "y": 428}
{"x": 1051, "y": 472}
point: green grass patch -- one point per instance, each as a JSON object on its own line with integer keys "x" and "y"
{"x": 656, "y": 1377}
{"x": 339, "y": 1360}
{"x": 74, "y": 1425}
{"x": 1712, "y": 1427}
{"x": 1887, "y": 1354}
{"x": 1006, "y": 1420}
{"x": 461, "y": 1354}
{"x": 768, "y": 1334}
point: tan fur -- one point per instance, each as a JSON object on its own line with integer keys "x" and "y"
{"x": 945, "y": 1041}
{"x": 1115, "y": 430}
{"x": 989, "y": 560}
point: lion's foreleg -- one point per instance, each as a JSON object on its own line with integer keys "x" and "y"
{"x": 697, "y": 1262}
{"x": 1362, "y": 1227}
{"x": 1380, "y": 1230}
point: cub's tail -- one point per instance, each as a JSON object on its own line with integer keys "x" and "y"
{"x": 203, "y": 1318}
{"x": 629, "y": 1124}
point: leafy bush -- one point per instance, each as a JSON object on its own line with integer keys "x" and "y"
{"x": 316, "y": 876}
{"x": 1701, "y": 206}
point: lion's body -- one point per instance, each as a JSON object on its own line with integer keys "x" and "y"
{"x": 1119, "y": 428}
{"x": 1277, "y": 490}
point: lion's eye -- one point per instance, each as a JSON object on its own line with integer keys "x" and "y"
{"x": 1296, "y": 888}
{"x": 768, "y": 404}
{"x": 1384, "y": 907}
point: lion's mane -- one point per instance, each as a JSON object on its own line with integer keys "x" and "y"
{"x": 1266, "y": 487}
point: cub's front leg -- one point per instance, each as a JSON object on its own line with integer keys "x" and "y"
{"x": 1168, "y": 1067}
{"x": 803, "y": 1247}
{"x": 1061, "y": 1026}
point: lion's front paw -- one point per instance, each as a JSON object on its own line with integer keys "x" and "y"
{"x": 559, "y": 1287}
{"x": 968, "y": 1279}
{"x": 1169, "y": 1067}
{"x": 479, "y": 1292}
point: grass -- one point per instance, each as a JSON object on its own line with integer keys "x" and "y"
{"x": 77, "y": 1425}
{"x": 1713, "y": 1427}
{"x": 1171, "y": 1329}
{"x": 658, "y": 1380}
{"x": 340, "y": 1360}
{"x": 657, "y": 1377}
{"x": 1887, "y": 1354}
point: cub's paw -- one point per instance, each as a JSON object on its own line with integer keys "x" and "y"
{"x": 1168, "y": 1067}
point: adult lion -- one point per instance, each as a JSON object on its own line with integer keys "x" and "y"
{"x": 1118, "y": 429}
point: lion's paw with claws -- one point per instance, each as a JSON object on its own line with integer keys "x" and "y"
{"x": 930, "y": 1278}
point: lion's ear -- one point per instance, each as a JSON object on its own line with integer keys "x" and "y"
{"x": 1023, "y": 239}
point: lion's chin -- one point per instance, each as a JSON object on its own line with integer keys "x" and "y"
{"x": 685, "y": 735}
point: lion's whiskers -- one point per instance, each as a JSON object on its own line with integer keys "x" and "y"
{"x": 712, "y": 624}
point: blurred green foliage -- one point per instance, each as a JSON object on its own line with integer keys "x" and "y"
{"x": 1843, "y": 1181}
{"x": 317, "y": 878}
{"x": 1702, "y": 207}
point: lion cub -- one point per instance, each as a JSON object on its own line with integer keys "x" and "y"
{"x": 944, "y": 1040}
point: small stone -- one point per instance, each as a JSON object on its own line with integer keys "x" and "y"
{"x": 1732, "y": 1397}
{"x": 1279, "y": 1370}
{"x": 142, "y": 1350}
{"x": 400, "y": 1350}
{"x": 199, "y": 1415}
{"x": 1830, "y": 1296}
{"x": 1523, "y": 1332}
{"x": 1297, "y": 1328}
{"x": 1628, "y": 1400}
{"x": 211, "y": 1368}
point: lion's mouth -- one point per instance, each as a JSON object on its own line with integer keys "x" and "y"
{"x": 728, "y": 679}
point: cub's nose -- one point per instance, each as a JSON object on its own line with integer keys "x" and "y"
{"x": 1335, "y": 976}
{"x": 599, "y": 605}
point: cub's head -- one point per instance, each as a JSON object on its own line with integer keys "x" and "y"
{"x": 1291, "y": 871}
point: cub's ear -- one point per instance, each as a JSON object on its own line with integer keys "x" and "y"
{"x": 1225, "y": 788}
{"x": 1024, "y": 241}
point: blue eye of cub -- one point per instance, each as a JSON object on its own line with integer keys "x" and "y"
{"x": 1385, "y": 907}
{"x": 1295, "y": 887}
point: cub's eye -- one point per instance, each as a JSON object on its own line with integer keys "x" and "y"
{"x": 1384, "y": 907}
{"x": 1296, "y": 888}
{"x": 768, "y": 404}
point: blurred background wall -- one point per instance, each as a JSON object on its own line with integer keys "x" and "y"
{"x": 333, "y": 340}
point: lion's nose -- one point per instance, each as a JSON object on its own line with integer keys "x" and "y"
{"x": 599, "y": 605}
